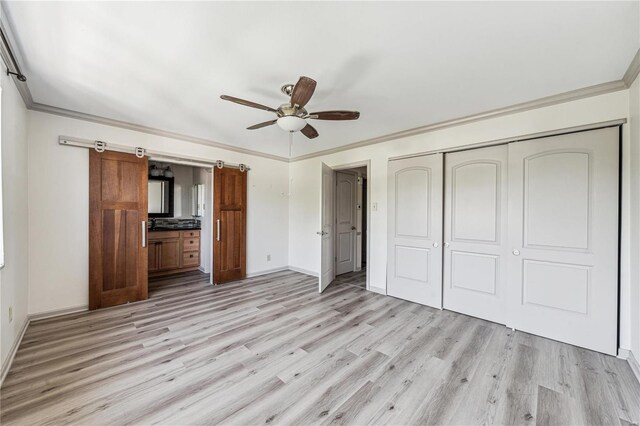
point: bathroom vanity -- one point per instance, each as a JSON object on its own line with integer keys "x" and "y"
{"x": 172, "y": 251}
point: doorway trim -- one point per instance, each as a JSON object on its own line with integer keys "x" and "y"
{"x": 355, "y": 165}
{"x": 209, "y": 167}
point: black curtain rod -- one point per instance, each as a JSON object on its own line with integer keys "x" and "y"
{"x": 7, "y": 47}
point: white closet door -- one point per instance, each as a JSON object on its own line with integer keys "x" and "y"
{"x": 415, "y": 230}
{"x": 475, "y": 233}
{"x": 563, "y": 232}
{"x": 345, "y": 223}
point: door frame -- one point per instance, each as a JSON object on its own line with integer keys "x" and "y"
{"x": 355, "y": 165}
{"x": 335, "y": 217}
{"x": 205, "y": 164}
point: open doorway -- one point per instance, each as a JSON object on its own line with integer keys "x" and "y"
{"x": 345, "y": 219}
{"x": 350, "y": 230}
{"x": 180, "y": 197}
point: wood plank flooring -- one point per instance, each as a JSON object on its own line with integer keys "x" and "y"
{"x": 271, "y": 350}
{"x": 357, "y": 278}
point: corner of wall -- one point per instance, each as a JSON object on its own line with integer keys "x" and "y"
{"x": 14, "y": 276}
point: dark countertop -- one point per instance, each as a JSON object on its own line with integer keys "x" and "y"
{"x": 181, "y": 228}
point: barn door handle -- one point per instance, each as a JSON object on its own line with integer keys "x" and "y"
{"x": 218, "y": 230}
{"x": 144, "y": 233}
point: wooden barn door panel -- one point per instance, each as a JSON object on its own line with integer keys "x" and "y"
{"x": 117, "y": 216}
{"x": 230, "y": 219}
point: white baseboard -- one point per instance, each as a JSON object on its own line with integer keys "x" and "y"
{"x": 58, "y": 312}
{"x": 6, "y": 366}
{"x": 378, "y": 290}
{"x": 302, "y": 271}
{"x": 267, "y": 271}
{"x": 633, "y": 363}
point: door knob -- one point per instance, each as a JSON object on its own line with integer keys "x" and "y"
{"x": 516, "y": 252}
{"x": 446, "y": 244}
{"x": 435, "y": 244}
{"x": 353, "y": 228}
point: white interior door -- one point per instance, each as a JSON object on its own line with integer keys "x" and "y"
{"x": 345, "y": 223}
{"x": 563, "y": 232}
{"x": 414, "y": 269}
{"x": 327, "y": 272}
{"x": 475, "y": 232}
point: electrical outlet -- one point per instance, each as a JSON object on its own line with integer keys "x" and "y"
{"x": 268, "y": 258}
{"x": 10, "y": 313}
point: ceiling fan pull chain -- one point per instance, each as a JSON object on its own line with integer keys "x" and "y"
{"x": 290, "y": 143}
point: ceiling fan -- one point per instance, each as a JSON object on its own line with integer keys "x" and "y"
{"x": 292, "y": 116}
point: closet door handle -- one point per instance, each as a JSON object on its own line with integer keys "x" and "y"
{"x": 218, "y": 230}
{"x": 144, "y": 233}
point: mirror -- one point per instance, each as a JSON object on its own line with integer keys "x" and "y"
{"x": 160, "y": 196}
{"x": 197, "y": 209}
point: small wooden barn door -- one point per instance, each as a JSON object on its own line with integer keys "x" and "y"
{"x": 230, "y": 223}
{"x": 117, "y": 228}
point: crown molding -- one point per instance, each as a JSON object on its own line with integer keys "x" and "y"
{"x": 35, "y": 106}
{"x": 599, "y": 89}
{"x": 633, "y": 70}
{"x": 22, "y": 87}
{"x": 573, "y": 95}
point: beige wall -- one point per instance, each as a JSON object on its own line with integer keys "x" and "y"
{"x": 14, "y": 276}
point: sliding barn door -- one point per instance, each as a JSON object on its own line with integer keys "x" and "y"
{"x": 414, "y": 269}
{"x": 230, "y": 223}
{"x": 563, "y": 232}
{"x": 117, "y": 228}
{"x": 345, "y": 223}
{"x": 475, "y": 233}
{"x": 327, "y": 263}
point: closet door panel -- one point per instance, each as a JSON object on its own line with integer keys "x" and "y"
{"x": 414, "y": 270}
{"x": 563, "y": 227}
{"x": 475, "y": 233}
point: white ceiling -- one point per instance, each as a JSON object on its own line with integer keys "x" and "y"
{"x": 402, "y": 65}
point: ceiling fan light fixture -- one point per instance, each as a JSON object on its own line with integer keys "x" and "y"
{"x": 291, "y": 123}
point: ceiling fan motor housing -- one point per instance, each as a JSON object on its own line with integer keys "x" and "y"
{"x": 286, "y": 110}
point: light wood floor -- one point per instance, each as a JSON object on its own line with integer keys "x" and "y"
{"x": 357, "y": 278}
{"x": 270, "y": 350}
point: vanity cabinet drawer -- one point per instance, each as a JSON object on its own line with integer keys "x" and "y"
{"x": 191, "y": 244}
{"x": 190, "y": 259}
{"x": 191, "y": 234}
{"x": 161, "y": 235}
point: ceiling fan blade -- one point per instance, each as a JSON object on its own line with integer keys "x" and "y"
{"x": 302, "y": 91}
{"x": 247, "y": 103}
{"x": 335, "y": 115}
{"x": 309, "y": 131}
{"x": 261, "y": 125}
